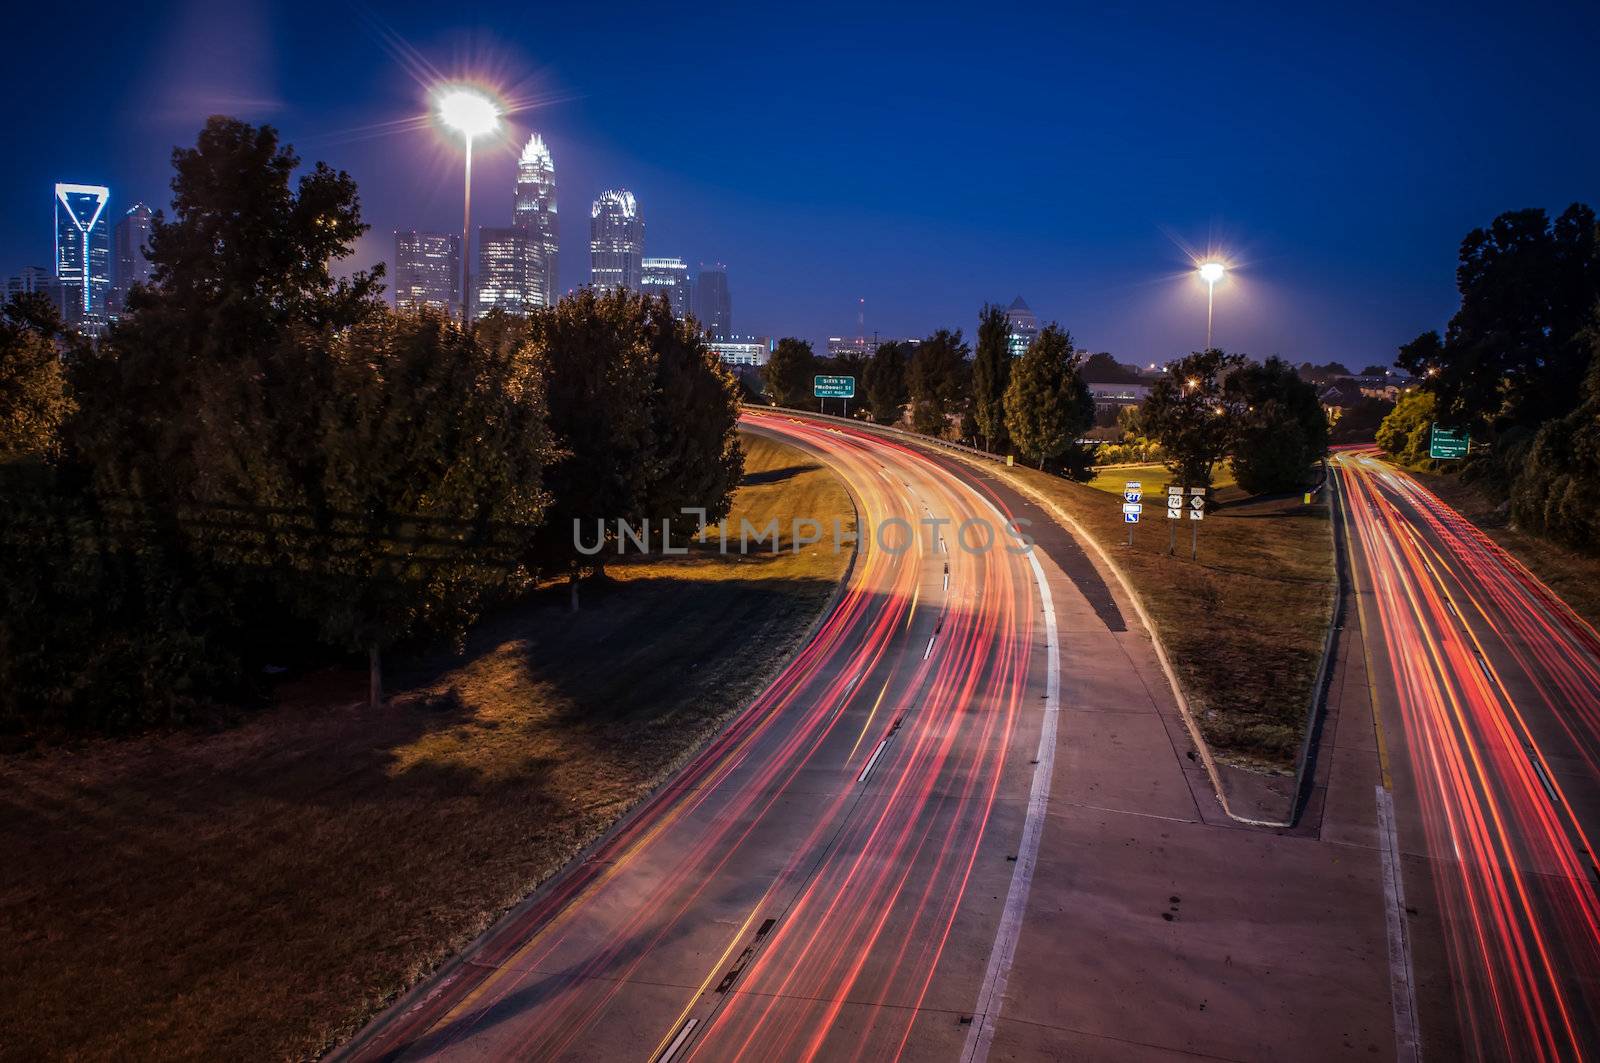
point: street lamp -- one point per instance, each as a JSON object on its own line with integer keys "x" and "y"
{"x": 472, "y": 114}
{"x": 1211, "y": 273}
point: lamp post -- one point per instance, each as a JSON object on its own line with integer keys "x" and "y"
{"x": 471, "y": 114}
{"x": 1211, "y": 273}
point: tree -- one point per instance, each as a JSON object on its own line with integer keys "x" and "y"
{"x": 1280, "y": 430}
{"x": 1515, "y": 352}
{"x": 1359, "y": 424}
{"x": 991, "y": 374}
{"x": 789, "y": 373}
{"x": 1047, "y": 404}
{"x": 885, "y": 378}
{"x": 1187, "y": 413}
{"x": 938, "y": 382}
{"x": 1553, "y": 494}
{"x": 34, "y": 398}
{"x": 1102, "y": 368}
{"x": 1404, "y": 432}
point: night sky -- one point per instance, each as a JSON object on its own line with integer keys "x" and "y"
{"x": 926, "y": 158}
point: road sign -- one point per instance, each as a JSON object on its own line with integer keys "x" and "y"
{"x": 1448, "y": 442}
{"x": 1133, "y": 507}
{"x": 1130, "y": 518}
{"x": 1174, "y": 508}
{"x": 1198, "y": 502}
{"x": 834, "y": 387}
{"x": 1197, "y": 514}
{"x": 1132, "y": 496}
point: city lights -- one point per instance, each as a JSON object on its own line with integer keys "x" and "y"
{"x": 472, "y": 114}
{"x": 1211, "y": 272}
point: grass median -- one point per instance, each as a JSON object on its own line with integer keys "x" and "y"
{"x": 1243, "y": 624}
{"x": 259, "y": 893}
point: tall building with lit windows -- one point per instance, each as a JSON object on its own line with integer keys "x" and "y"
{"x": 713, "y": 305}
{"x": 616, "y": 241}
{"x": 83, "y": 253}
{"x": 37, "y": 280}
{"x": 129, "y": 243}
{"x": 535, "y": 214}
{"x": 501, "y": 281}
{"x": 427, "y": 270}
{"x": 1022, "y": 325}
{"x": 669, "y": 277}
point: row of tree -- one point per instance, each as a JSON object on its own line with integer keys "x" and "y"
{"x": 1517, "y": 368}
{"x": 261, "y": 462}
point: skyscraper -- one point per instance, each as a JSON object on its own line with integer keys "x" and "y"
{"x": 503, "y": 268}
{"x": 131, "y": 239}
{"x": 713, "y": 306}
{"x": 1022, "y": 325}
{"x": 427, "y": 270}
{"x": 535, "y": 213}
{"x": 83, "y": 253}
{"x": 616, "y": 241}
{"x": 669, "y": 277}
{"x": 37, "y": 280}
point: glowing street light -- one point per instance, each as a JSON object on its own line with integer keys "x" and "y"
{"x": 1211, "y": 272}
{"x": 472, "y": 114}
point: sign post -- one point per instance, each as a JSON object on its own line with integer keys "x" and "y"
{"x": 1197, "y": 513}
{"x": 834, "y": 387}
{"x": 1174, "y": 514}
{"x": 1132, "y": 505}
{"x": 1446, "y": 443}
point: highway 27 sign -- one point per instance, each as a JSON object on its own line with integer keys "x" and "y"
{"x": 1132, "y": 502}
{"x": 834, "y": 387}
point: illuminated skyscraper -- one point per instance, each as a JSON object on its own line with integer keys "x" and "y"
{"x": 669, "y": 277}
{"x": 713, "y": 306}
{"x": 535, "y": 213}
{"x": 1022, "y": 327}
{"x": 131, "y": 239}
{"x": 616, "y": 241}
{"x": 503, "y": 268}
{"x": 427, "y": 270}
{"x": 83, "y": 253}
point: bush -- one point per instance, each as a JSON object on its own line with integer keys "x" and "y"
{"x": 1404, "y": 433}
{"x": 1554, "y": 493}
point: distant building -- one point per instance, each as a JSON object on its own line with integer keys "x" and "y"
{"x": 669, "y": 277}
{"x": 616, "y": 241}
{"x": 37, "y": 280}
{"x": 1021, "y": 327}
{"x": 535, "y": 213}
{"x": 1115, "y": 396}
{"x": 83, "y": 254}
{"x": 713, "y": 305}
{"x": 865, "y": 346}
{"x": 427, "y": 270}
{"x": 742, "y": 350}
{"x": 502, "y": 275}
{"x": 130, "y": 243}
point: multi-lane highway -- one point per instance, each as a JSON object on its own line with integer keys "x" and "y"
{"x": 1488, "y": 690}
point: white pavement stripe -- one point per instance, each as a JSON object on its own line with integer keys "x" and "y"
{"x": 679, "y": 1041}
{"x": 1402, "y": 980}
{"x": 872, "y": 761}
{"x": 991, "y": 997}
{"x": 929, "y": 650}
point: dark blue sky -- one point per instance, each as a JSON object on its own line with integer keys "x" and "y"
{"x": 926, "y": 158}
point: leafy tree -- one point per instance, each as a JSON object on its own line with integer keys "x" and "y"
{"x": 1187, "y": 413}
{"x": 1515, "y": 352}
{"x": 938, "y": 382}
{"x": 34, "y": 398}
{"x": 1280, "y": 429}
{"x": 1047, "y": 404}
{"x": 1374, "y": 370}
{"x": 789, "y": 372}
{"x": 1102, "y": 368}
{"x": 1554, "y": 493}
{"x": 1404, "y": 432}
{"x": 885, "y": 378}
{"x": 991, "y": 373}
{"x": 1360, "y": 423}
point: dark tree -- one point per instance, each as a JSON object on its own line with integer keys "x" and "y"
{"x": 1515, "y": 352}
{"x": 1281, "y": 429}
{"x": 1554, "y": 494}
{"x": 938, "y": 382}
{"x": 1102, "y": 368}
{"x": 790, "y": 373}
{"x": 1187, "y": 413}
{"x": 34, "y": 397}
{"x": 885, "y": 378}
{"x": 1048, "y": 407}
{"x": 991, "y": 373}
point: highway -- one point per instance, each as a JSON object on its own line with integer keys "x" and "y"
{"x": 828, "y": 877}
{"x": 1488, "y": 694}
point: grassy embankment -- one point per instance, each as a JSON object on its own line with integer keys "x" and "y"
{"x": 1244, "y": 625}
{"x": 258, "y": 893}
{"x": 1573, "y": 576}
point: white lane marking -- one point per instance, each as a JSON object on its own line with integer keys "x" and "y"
{"x": 1402, "y": 981}
{"x": 679, "y": 1041}
{"x": 929, "y": 650}
{"x": 991, "y": 997}
{"x": 872, "y": 761}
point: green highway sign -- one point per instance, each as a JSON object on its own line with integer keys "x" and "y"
{"x": 1448, "y": 443}
{"x": 834, "y": 387}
